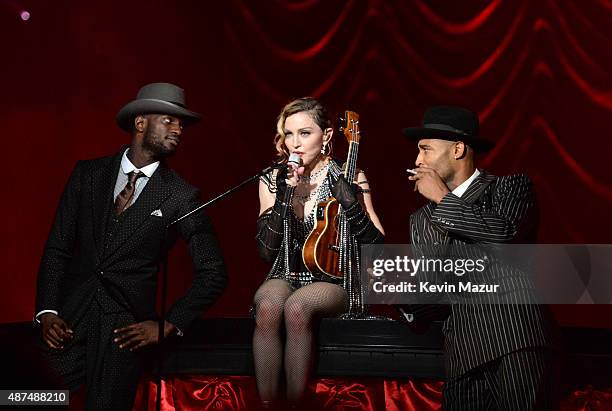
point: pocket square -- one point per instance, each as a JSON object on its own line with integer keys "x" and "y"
{"x": 157, "y": 213}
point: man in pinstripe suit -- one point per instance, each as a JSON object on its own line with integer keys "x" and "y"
{"x": 498, "y": 356}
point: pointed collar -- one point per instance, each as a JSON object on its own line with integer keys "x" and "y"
{"x": 461, "y": 188}
{"x": 127, "y": 166}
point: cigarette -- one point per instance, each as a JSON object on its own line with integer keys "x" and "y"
{"x": 411, "y": 171}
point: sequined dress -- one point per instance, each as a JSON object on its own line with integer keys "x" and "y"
{"x": 288, "y": 264}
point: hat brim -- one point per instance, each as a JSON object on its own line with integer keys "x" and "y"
{"x": 135, "y": 108}
{"x": 419, "y": 133}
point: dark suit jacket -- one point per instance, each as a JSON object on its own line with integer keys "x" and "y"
{"x": 492, "y": 210}
{"x": 87, "y": 256}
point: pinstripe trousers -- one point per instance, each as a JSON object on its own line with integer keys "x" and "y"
{"x": 522, "y": 380}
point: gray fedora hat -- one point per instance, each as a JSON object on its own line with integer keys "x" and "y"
{"x": 156, "y": 98}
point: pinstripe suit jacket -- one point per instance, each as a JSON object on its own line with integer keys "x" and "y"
{"x": 492, "y": 210}
{"x": 86, "y": 256}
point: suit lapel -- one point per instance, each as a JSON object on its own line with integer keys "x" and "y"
{"x": 475, "y": 190}
{"x": 431, "y": 232}
{"x": 155, "y": 192}
{"x": 103, "y": 186}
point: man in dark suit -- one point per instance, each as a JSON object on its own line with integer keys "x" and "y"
{"x": 498, "y": 356}
{"x": 97, "y": 280}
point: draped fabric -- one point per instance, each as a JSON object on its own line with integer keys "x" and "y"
{"x": 588, "y": 399}
{"x": 537, "y": 73}
{"x": 234, "y": 393}
{"x": 196, "y": 392}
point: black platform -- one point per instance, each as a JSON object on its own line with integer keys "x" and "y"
{"x": 359, "y": 348}
{"x": 372, "y": 348}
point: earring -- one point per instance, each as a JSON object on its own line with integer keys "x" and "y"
{"x": 327, "y": 148}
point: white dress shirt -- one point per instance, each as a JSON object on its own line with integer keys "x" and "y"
{"x": 460, "y": 189}
{"x": 122, "y": 178}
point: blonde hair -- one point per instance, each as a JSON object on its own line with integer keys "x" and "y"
{"x": 313, "y": 107}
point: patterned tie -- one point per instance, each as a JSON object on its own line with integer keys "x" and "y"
{"x": 125, "y": 196}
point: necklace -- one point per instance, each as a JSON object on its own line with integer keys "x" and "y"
{"x": 304, "y": 198}
{"x": 305, "y": 181}
{"x": 315, "y": 175}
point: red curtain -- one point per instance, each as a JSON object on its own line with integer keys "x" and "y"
{"x": 537, "y": 72}
{"x": 233, "y": 393}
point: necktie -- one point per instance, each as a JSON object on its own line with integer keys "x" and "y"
{"x": 125, "y": 196}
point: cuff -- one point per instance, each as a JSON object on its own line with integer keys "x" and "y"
{"x": 447, "y": 206}
{"x": 37, "y": 316}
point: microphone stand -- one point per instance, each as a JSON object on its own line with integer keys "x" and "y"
{"x": 223, "y": 195}
{"x": 164, "y": 270}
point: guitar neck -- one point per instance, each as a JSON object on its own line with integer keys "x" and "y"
{"x": 351, "y": 162}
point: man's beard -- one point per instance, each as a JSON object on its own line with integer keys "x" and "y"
{"x": 153, "y": 143}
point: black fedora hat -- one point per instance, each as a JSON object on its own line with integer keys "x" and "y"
{"x": 450, "y": 123}
{"x": 156, "y": 98}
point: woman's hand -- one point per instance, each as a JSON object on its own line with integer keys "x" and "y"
{"x": 293, "y": 174}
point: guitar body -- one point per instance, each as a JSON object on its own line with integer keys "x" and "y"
{"x": 321, "y": 252}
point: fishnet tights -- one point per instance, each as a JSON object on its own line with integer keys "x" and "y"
{"x": 275, "y": 301}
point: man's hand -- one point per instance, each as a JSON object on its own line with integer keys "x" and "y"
{"x": 55, "y": 331}
{"x": 136, "y": 336}
{"x": 429, "y": 183}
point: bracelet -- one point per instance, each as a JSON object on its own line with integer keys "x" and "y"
{"x": 274, "y": 231}
{"x": 363, "y": 218}
{"x": 350, "y": 217}
{"x": 363, "y": 229}
{"x": 378, "y": 235}
{"x": 355, "y": 204}
{"x": 265, "y": 215}
{"x": 266, "y": 245}
{"x": 277, "y": 213}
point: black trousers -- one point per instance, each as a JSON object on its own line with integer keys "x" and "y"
{"x": 519, "y": 381}
{"x": 111, "y": 374}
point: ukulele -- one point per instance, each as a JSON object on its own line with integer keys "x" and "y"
{"x": 321, "y": 251}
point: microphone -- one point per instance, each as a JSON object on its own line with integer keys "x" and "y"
{"x": 295, "y": 160}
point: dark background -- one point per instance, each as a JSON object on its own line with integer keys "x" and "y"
{"x": 537, "y": 72}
